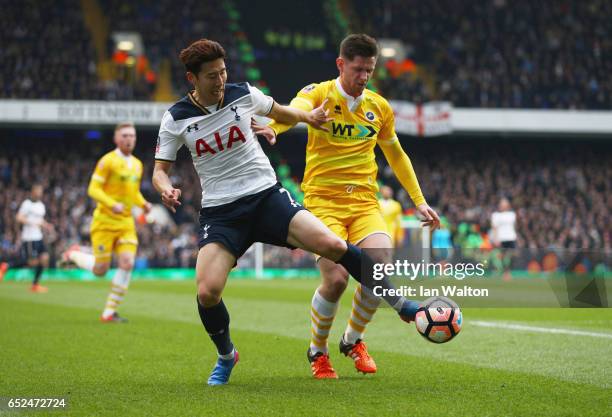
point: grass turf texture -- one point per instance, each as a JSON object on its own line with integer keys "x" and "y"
{"x": 53, "y": 345}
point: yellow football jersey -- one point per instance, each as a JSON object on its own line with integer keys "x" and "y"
{"x": 116, "y": 179}
{"x": 343, "y": 159}
{"x": 391, "y": 211}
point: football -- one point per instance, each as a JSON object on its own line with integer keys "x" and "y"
{"x": 438, "y": 319}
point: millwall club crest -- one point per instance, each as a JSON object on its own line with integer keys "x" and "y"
{"x": 235, "y": 110}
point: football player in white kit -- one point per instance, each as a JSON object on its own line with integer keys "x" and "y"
{"x": 31, "y": 215}
{"x": 503, "y": 233}
{"x": 242, "y": 201}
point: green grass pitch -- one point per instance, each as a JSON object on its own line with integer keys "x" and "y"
{"x": 157, "y": 365}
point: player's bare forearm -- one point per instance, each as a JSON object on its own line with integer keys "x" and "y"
{"x": 161, "y": 176}
{"x": 21, "y": 219}
{"x": 161, "y": 181}
{"x": 291, "y": 115}
{"x": 280, "y": 127}
{"x": 287, "y": 115}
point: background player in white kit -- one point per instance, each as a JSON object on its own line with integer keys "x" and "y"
{"x": 242, "y": 201}
{"x": 503, "y": 231}
{"x": 31, "y": 215}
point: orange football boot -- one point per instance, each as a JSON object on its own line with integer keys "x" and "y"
{"x": 359, "y": 353}
{"x": 321, "y": 366}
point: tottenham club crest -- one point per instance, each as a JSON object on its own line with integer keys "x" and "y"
{"x": 205, "y": 228}
{"x": 370, "y": 116}
{"x": 235, "y": 110}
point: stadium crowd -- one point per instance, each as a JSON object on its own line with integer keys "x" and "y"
{"x": 175, "y": 27}
{"x": 561, "y": 193}
{"x": 519, "y": 54}
{"x": 46, "y": 52}
{"x": 499, "y": 53}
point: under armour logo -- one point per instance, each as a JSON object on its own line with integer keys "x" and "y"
{"x": 235, "y": 110}
{"x": 192, "y": 127}
{"x": 206, "y": 227}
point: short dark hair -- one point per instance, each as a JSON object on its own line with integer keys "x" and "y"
{"x": 358, "y": 45}
{"x": 200, "y": 52}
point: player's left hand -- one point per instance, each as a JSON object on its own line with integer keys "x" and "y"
{"x": 430, "y": 217}
{"x": 265, "y": 131}
{"x": 319, "y": 116}
{"x": 147, "y": 207}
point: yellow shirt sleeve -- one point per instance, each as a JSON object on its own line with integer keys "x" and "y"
{"x": 387, "y": 131}
{"x": 96, "y": 184}
{"x": 402, "y": 167}
{"x": 398, "y": 160}
{"x": 139, "y": 199}
{"x": 399, "y": 232}
{"x": 307, "y": 99}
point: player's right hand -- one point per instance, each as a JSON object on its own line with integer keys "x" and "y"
{"x": 319, "y": 116}
{"x": 118, "y": 208}
{"x": 170, "y": 198}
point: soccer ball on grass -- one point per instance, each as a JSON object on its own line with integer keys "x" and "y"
{"x": 438, "y": 319}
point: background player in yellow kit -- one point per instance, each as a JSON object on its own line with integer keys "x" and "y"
{"x": 340, "y": 189}
{"x": 115, "y": 186}
{"x": 391, "y": 211}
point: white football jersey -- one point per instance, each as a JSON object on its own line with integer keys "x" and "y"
{"x": 503, "y": 222}
{"x": 34, "y": 212}
{"x": 226, "y": 153}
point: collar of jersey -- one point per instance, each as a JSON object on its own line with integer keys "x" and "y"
{"x": 126, "y": 158}
{"x": 201, "y": 106}
{"x": 351, "y": 101}
{"x": 121, "y": 154}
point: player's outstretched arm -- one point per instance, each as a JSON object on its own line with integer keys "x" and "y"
{"x": 96, "y": 191}
{"x": 402, "y": 167}
{"x": 161, "y": 181}
{"x": 290, "y": 115}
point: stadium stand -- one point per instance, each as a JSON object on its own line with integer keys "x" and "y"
{"x": 173, "y": 30}
{"x": 499, "y": 53}
{"x": 561, "y": 193}
{"x": 560, "y": 190}
{"x": 54, "y": 61}
{"x": 530, "y": 55}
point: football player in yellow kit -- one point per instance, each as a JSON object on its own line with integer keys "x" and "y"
{"x": 340, "y": 189}
{"x": 115, "y": 186}
{"x": 391, "y": 211}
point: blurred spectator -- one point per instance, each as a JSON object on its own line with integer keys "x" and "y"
{"x": 174, "y": 28}
{"x": 499, "y": 53}
{"x": 519, "y": 54}
{"x": 46, "y": 52}
{"x": 64, "y": 167}
{"x": 562, "y": 190}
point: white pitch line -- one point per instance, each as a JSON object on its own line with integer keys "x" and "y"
{"x": 501, "y": 325}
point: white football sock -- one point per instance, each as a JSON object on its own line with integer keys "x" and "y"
{"x": 322, "y": 313}
{"x": 364, "y": 306}
{"x": 83, "y": 260}
{"x": 121, "y": 281}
